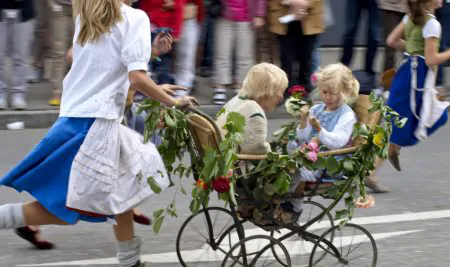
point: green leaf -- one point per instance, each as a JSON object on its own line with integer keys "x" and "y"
{"x": 348, "y": 165}
{"x": 273, "y": 156}
{"x": 183, "y": 191}
{"x": 195, "y": 205}
{"x": 157, "y": 224}
{"x": 158, "y": 213}
{"x": 282, "y": 183}
{"x": 221, "y": 111}
{"x": 321, "y": 162}
{"x": 153, "y": 185}
{"x": 332, "y": 166}
{"x": 402, "y": 123}
{"x": 237, "y": 121}
{"x": 340, "y": 214}
{"x": 232, "y": 194}
{"x": 224, "y": 196}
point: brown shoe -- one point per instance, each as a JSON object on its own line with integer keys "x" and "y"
{"x": 393, "y": 152}
{"x": 32, "y": 236}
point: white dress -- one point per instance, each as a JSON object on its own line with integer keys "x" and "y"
{"x": 110, "y": 171}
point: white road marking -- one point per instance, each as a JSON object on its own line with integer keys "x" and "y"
{"x": 171, "y": 257}
{"x": 199, "y": 255}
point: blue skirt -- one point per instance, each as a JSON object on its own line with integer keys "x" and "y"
{"x": 45, "y": 172}
{"x": 399, "y": 101}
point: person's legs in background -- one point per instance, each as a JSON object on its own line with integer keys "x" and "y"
{"x": 4, "y": 45}
{"x": 353, "y": 13}
{"x": 41, "y": 44}
{"x": 305, "y": 46}
{"x": 62, "y": 28}
{"x": 186, "y": 55}
{"x": 223, "y": 58}
{"x": 373, "y": 34}
{"x": 443, "y": 15}
{"x": 208, "y": 47}
{"x": 315, "y": 57}
{"x": 390, "y": 19}
{"x": 245, "y": 52}
{"x": 22, "y": 37}
{"x": 288, "y": 52}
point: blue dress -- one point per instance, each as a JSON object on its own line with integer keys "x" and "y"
{"x": 44, "y": 173}
{"x": 399, "y": 101}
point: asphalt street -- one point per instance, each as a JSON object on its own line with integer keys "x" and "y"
{"x": 410, "y": 224}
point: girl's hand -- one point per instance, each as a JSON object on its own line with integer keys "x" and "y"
{"x": 300, "y": 13}
{"x": 258, "y": 22}
{"x": 300, "y": 4}
{"x": 187, "y": 101}
{"x": 315, "y": 124}
{"x": 162, "y": 44}
{"x": 171, "y": 89}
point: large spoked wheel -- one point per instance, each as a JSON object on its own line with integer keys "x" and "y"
{"x": 355, "y": 245}
{"x": 206, "y": 236}
{"x": 298, "y": 246}
{"x": 257, "y": 251}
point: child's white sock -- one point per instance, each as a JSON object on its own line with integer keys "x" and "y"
{"x": 129, "y": 252}
{"x": 11, "y": 216}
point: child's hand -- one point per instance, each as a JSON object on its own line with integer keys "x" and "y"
{"x": 315, "y": 124}
{"x": 162, "y": 44}
{"x": 300, "y": 13}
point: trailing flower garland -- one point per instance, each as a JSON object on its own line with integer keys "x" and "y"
{"x": 274, "y": 173}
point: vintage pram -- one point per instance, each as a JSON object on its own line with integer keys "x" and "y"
{"x": 227, "y": 239}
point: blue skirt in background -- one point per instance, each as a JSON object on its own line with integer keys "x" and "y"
{"x": 45, "y": 172}
{"x": 399, "y": 101}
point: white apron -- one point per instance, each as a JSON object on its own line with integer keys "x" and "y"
{"x": 109, "y": 174}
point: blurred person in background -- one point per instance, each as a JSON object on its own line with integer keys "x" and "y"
{"x": 297, "y": 37}
{"x": 165, "y": 16}
{"x": 16, "y": 35}
{"x": 62, "y": 29}
{"x": 185, "y": 67}
{"x": 353, "y": 15}
{"x": 392, "y": 13}
{"x": 42, "y": 41}
{"x": 329, "y": 21}
{"x": 212, "y": 8}
{"x": 235, "y": 35}
{"x": 443, "y": 16}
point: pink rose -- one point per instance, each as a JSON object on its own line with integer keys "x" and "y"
{"x": 312, "y": 156}
{"x": 313, "y": 147}
{"x": 314, "y": 79}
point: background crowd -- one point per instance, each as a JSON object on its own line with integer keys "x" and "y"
{"x": 220, "y": 39}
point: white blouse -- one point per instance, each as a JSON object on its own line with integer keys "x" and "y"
{"x": 97, "y": 84}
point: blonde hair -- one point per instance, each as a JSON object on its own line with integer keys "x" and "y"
{"x": 264, "y": 80}
{"x": 340, "y": 80}
{"x": 96, "y": 17}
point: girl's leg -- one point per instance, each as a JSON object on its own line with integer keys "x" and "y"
{"x": 14, "y": 216}
{"x": 372, "y": 181}
{"x": 128, "y": 245}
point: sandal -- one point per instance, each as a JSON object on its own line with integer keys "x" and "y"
{"x": 30, "y": 235}
{"x": 142, "y": 219}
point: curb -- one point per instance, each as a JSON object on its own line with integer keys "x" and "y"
{"x": 39, "y": 119}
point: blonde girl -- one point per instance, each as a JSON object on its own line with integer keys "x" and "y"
{"x": 413, "y": 93}
{"x": 329, "y": 123}
{"x": 81, "y": 170}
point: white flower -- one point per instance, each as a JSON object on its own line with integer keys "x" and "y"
{"x": 293, "y": 106}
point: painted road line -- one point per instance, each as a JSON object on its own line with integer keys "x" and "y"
{"x": 199, "y": 255}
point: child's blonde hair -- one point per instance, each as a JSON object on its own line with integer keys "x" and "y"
{"x": 340, "y": 80}
{"x": 264, "y": 80}
{"x": 96, "y": 18}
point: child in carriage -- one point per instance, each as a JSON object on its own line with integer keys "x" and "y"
{"x": 329, "y": 124}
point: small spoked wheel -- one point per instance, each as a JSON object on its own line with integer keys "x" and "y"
{"x": 352, "y": 246}
{"x": 257, "y": 251}
{"x": 299, "y": 246}
{"x": 206, "y": 237}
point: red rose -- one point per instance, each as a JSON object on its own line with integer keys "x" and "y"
{"x": 297, "y": 90}
{"x": 221, "y": 184}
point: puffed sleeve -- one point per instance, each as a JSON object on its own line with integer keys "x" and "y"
{"x": 136, "y": 48}
{"x": 341, "y": 134}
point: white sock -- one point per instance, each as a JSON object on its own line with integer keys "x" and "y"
{"x": 129, "y": 252}
{"x": 11, "y": 216}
